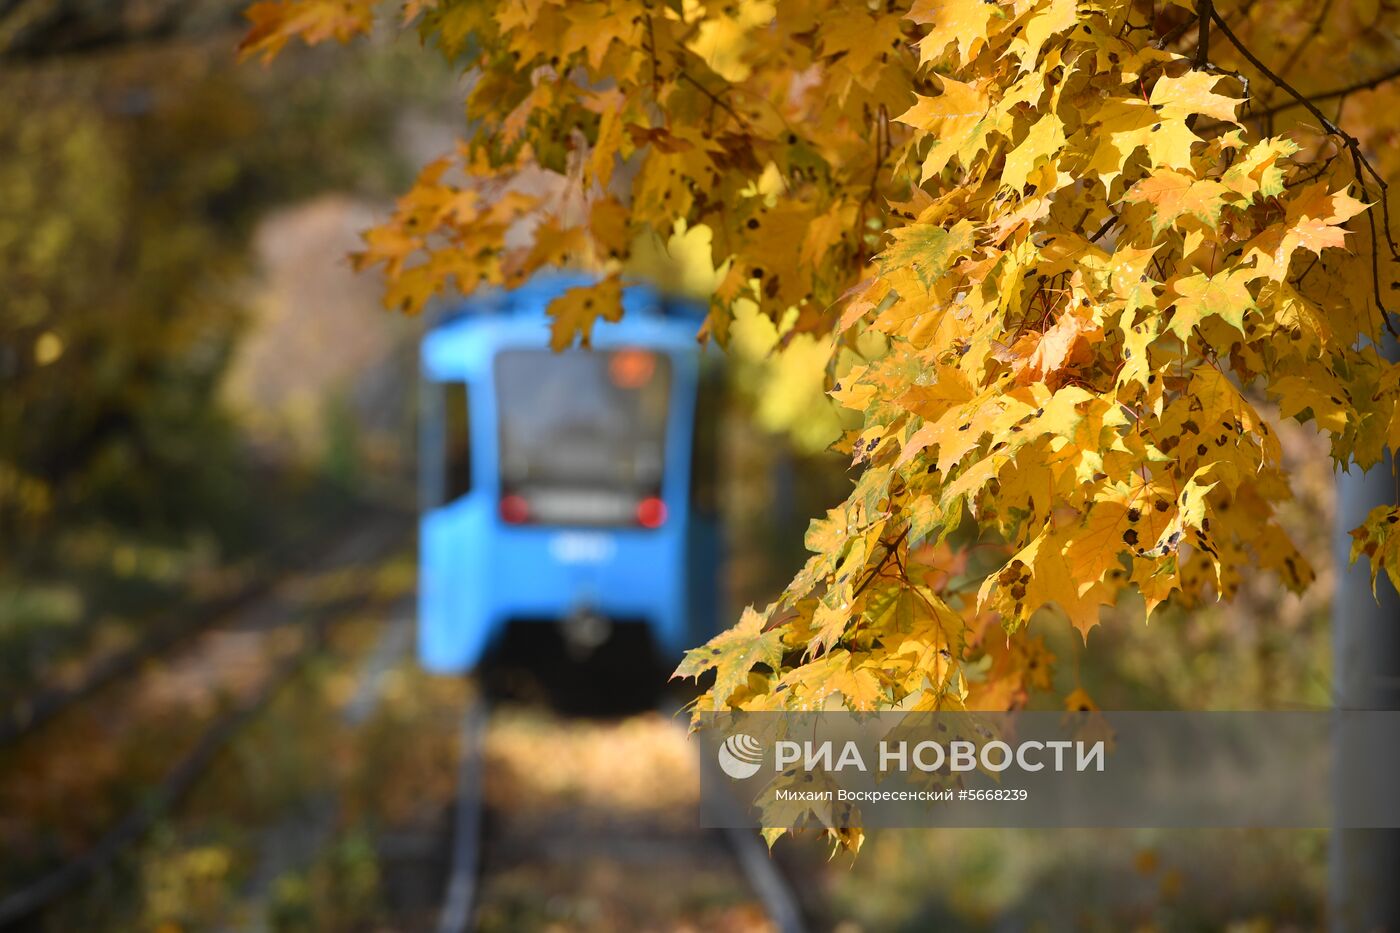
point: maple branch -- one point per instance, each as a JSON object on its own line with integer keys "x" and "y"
{"x": 1352, "y": 143}
{"x": 903, "y": 571}
{"x": 1304, "y": 274}
{"x": 872, "y": 193}
{"x": 892, "y": 548}
{"x": 1279, "y": 82}
{"x": 759, "y": 98}
{"x": 1201, "y": 61}
{"x": 1322, "y": 170}
{"x": 1176, "y": 32}
{"x": 1243, "y": 79}
{"x": 714, "y": 98}
{"x": 1205, "y": 9}
{"x": 655, "y": 65}
{"x": 1376, "y": 266}
{"x": 880, "y": 156}
{"x": 1112, "y": 219}
{"x": 1366, "y": 84}
{"x": 1361, "y": 164}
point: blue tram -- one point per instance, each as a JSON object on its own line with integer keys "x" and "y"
{"x": 575, "y": 489}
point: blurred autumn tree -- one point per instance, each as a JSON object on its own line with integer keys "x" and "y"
{"x": 134, "y": 162}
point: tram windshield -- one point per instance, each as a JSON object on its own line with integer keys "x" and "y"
{"x": 582, "y": 435}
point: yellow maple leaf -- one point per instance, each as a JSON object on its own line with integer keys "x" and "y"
{"x": 574, "y": 312}
{"x": 1174, "y": 195}
{"x": 1044, "y": 140}
{"x": 732, "y": 654}
{"x": 957, "y": 117}
{"x": 954, "y": 21}
{"x": 1064, "y": 343}
{"x": 1191, "y": 93}
{"x": 1225, "y": 296}
{"x": 276, "y": 22}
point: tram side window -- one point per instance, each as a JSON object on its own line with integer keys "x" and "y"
{"x": 457, "y": 463}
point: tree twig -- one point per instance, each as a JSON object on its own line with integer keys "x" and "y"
{"x": 1205, "y": 9}
{"x": 1361, "y": 164}
{"x": 1176, "y": 32}
{"x": 891, "y": 549}
{"x": 1201, "y": 60}
{"x": 1112, "y": 219}
{"x": 715, "y": 98}
{"x": 1365, "y": 84}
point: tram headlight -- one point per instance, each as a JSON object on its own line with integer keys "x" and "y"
{"x": 651, "y": 512}
{"x": 514, "y": 509}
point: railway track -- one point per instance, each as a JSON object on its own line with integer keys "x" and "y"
{"x": 28, "y": 901}
{"x": 264, "y": 615}
{"x": 470, "y": 847}
{"x": 475, "y": 833}
{"x": 25, "y": 715}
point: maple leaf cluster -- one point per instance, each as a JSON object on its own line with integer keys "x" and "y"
{"x": 1090, "y": 275}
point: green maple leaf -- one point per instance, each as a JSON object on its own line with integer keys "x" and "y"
{"x": 928, "y": 249}
{"x": 733, "y": 653}
{"x": 1225, "y": 296}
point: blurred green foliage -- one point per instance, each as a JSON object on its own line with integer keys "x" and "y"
{"x": 136, "y": 161}
{"x": 128, "y": 189}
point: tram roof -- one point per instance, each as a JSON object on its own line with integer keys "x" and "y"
{"x": 533, "y": 297}
{"x": 463, "y": 337}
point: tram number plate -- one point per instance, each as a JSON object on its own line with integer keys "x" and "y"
{"x": 581, "y": 547}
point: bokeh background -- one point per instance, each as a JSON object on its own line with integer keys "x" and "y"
{"x": 206, "y": 459}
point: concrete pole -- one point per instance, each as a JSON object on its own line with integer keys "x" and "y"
{"x": 1364, "y": 864}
